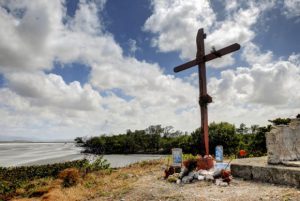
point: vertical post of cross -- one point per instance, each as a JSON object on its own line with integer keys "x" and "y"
{"x": 202, "y": 86}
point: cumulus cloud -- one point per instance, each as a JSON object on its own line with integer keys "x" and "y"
{"x": 173, "y": 19}
{"x": 291, "y": 8}
{"x": 46, "y": 101}
{"x": 249, "y": 94}
{"x": 256, "y": 93}
{"x": 51, "y": 90}
{"x": 252, "y": 54}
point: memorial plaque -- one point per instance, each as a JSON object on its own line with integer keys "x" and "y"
{"x": 177, "y": 157}
{"x": 219, "y": 153}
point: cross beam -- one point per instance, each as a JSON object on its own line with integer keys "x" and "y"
{"x": 211, "y": 56}
{"x": 201, "y": 59}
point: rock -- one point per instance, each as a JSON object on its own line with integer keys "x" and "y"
{"x": 184, "y": 172}
{"x": 209, "y": 177}
{"x": 187, "y": 179}
{"x": 191, "y": 174}
{"x": 219, "y": 182}
{"x": 283, "y": 142}
{"x": 178, "y": 181}
{"x": 196, "y": 175}
{"x": 203, "y": 172}
{"x": 201, "y": 177}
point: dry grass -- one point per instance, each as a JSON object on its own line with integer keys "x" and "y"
{"x": 70, "y": 177}
{"x": 104, "y": 184}
{"x": 143, "y": 182}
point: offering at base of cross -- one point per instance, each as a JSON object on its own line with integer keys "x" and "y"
{"x": 198, "y": 169}
{"x": 205, "y": 163}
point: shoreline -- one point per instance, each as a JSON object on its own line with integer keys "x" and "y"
{"x": 115, "y": 160}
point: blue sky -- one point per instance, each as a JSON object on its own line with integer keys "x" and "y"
{"x": 75, "y": 68}
{"x": 275, "y": 32}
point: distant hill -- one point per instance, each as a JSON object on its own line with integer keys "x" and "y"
{"x": 6, "y": 138}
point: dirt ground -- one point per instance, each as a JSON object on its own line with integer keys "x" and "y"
{"x": 151, "y": 187}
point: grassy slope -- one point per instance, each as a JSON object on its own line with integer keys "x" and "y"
{"x": 107, "y": 185}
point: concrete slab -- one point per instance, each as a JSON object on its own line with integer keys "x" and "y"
{"x": 258, "y": 169}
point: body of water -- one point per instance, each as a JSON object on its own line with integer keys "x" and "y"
{"x": 18, "y": 154}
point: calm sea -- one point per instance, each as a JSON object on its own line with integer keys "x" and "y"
{"x": 17, "y": 154}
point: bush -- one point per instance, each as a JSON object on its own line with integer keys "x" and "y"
{"x": 280, "y": 121}
{"x": 70, "y": 177}
{"x": 100, "y": 164}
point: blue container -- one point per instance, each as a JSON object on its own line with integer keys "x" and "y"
{"x": 219, "y": 153}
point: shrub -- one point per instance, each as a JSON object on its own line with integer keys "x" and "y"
{"x": 280, "y": 121}
{"x": 70, "y": 177}
{"x": 99, "y": 164}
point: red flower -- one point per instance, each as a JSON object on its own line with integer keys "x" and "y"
{"x": 243, "y": 152}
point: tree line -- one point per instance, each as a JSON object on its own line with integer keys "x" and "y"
{"x": 160, "y": 140}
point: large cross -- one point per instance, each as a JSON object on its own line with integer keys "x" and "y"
{"x": 200, "y": 60}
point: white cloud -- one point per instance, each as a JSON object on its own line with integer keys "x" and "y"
{"x": 257, "y": 93}
{"x": 175, "y": 24}
{"x": 45, "y": 102}
{"x": 291, "y": 8}
{"x": 252, "y": 54}
{"x": 248, "y": 94}
{"x": 51, "y": 90}
{"x": 133, "y": 46}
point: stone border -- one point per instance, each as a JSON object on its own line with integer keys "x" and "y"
{"x": 251, "y": 170}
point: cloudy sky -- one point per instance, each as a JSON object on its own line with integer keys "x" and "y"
{"x": 74, "y": 68}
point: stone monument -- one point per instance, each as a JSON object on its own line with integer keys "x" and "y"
{"x": 282, "y": 165}
{"x": 283, "y": 143}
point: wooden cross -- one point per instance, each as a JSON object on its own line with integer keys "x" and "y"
{"x": 200, "y": 60}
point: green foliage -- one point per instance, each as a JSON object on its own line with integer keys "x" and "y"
{"x": 242, "y": 129}
{"x": 160, "y": 140}
{"x": 149, "y": 140}
{"x": 280, "y": 121}
{"x": 223, "y": 134}
{"x": 79, "y": 140}
{"x": 257, "y": 146}
{"x": 99, "y": 164}
{"x": 26, "y": 173}
{"x": 189, "y": 156}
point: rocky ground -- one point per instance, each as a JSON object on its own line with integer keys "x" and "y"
{"x": 152, "y": 187}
